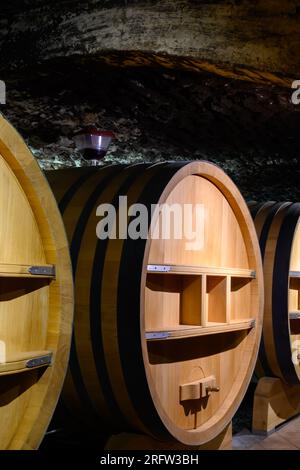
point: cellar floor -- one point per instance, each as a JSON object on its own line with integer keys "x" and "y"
{"x": 286, "y": 437}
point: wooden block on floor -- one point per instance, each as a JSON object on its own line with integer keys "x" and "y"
{"x": 274, "y": 403}
{"x": 245, "y": 440}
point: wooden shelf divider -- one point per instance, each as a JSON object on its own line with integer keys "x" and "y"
{"x": 24, "y": 361}
{"x": 192, "y": 270}
{"x": 210, "y": 313}
{"x": 294, "y": 315}
{"x": 204, "y": 309}
{"x": 184, "y": 331}
{"x": 29, "y": 271}
{"x": 294, "y": 274}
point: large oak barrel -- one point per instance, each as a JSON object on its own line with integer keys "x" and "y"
{"x": 36, "y": 293}
{"x": 166, "y": 331}
{"x": 278, "y": 229}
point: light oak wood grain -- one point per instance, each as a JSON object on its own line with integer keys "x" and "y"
{"x": 35, "y": 311}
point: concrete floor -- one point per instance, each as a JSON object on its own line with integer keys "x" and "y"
{"x": 286, "y": 437}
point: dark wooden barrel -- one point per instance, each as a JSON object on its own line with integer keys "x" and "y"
{"x": 165, "y": 337}
{"x": 278, "y": 229}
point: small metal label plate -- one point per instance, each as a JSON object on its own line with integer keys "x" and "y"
{"x": 157, "y": 335}
{"x": 294, "y": 316}
{"x": 39, "y": 361}
{"x": 42, "y": 270}
{"x": 158, "y": 268}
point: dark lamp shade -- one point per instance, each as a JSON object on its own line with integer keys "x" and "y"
{"x": 93, "y": 144}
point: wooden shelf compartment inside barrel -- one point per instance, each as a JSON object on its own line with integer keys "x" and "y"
{"x": 20, "y": 361}
{"x": 205, "y": 298}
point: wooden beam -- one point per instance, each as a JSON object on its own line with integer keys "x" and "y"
{"x": 256, "y": 41}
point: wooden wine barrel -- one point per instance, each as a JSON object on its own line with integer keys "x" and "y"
{"x": 166, "y": 331}
{"x": 36, "y": 293}
{"x": 279, "y": 235}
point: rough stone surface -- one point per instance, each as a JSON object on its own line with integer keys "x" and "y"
{"x": 251, "y": 131}
{"x": 255, "y": 40}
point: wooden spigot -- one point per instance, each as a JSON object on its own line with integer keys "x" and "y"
{"x": 199, "y": 389}
{"x": 212, "y": 389}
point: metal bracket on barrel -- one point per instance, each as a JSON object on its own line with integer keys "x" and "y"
{"x": 157, "y": 335}
{"x": 158, "y": 268}
{"x": 39, "y": 361}
{"x": 42, "y": 271}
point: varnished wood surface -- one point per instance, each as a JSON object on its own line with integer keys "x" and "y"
{"x": 126, "y": 441}
{"x": 36, "y": 311}
{"x": 209, "y": 270}
{"x": 210, "y": 329}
